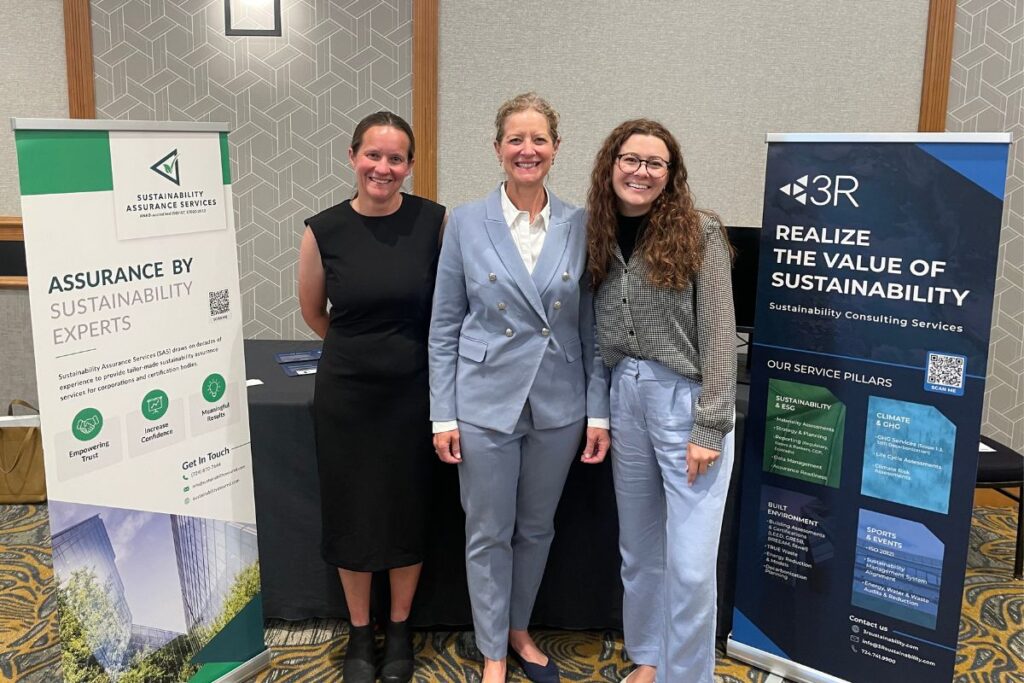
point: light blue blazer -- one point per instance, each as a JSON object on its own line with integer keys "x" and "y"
{"x": 500, "y": 337}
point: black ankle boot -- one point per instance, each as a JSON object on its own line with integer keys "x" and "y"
{"x": 358, "y": 666}
{"x": 398, "y": 659}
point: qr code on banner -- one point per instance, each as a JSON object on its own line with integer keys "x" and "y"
{"x": 220, "y": 303}
{"x": 946, "y": 373}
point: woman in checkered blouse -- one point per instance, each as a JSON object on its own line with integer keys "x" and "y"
{"x": 665, "y": 324}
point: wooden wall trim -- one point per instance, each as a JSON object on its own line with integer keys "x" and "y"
{"x": 10, "y": 229}
{"x": 425, "y": 16}
{"x": 938, "y": 62}
{"x": 78, "y": 48}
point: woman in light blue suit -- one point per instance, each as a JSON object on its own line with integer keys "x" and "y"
{"x": 514, "y": 376}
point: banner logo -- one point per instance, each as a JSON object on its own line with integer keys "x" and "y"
{"x": 168, "y": 167}
{"x": 796, "y": 189}
{"x": 827, "y": 190}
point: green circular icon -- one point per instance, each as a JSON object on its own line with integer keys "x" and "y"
{"x": 154, "y": 404}
{"x": 87, "y": 424}
{"x": 213, "y": 387}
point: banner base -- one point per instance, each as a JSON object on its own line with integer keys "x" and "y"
{"x": 786, "y": 668}
{"x": 247, "y": 669}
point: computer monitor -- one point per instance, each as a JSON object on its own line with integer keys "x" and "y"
{"x": 746, "y": 241}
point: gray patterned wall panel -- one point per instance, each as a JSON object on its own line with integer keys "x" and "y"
{"x": 292, "y": 103}
{"x": 986, "y": 94}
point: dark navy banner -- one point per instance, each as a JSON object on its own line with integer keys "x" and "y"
{"x": 877, "y": 270}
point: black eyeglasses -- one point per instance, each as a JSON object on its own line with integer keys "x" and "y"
{"x": 631, "y": 163}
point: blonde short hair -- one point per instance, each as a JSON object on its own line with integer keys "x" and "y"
{"x": 525, "y": 102}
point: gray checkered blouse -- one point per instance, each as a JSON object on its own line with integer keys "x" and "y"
{"x": 691, "y": 331}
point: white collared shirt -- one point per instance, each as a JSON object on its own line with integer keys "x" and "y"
{"x": 528, "y": 236}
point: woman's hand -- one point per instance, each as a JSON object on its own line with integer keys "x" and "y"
{"x": 598, "y": 441}
{"x": 698, "y": 460}
{"x": 446, "y": 445}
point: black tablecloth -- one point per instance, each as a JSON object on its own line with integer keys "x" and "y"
{"x": 581, "y": 587}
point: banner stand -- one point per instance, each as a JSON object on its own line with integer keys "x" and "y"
{"x": 779, "y": 666}
{"x": 247, "y": 669}
{"x": 132, "y": 268}
{"x": 876, "y": 279}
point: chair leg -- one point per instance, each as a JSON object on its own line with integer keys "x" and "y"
{"x": 1018, "y": 563}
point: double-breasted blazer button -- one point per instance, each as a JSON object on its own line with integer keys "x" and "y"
{"x": 565, "y": 276}
{"x": 492, "y": 277}
{"x": 501, "y": 306}
{"x": 545, "y": 332}
{"x": 557, "y": 305}
{"x": 509, "y": 332}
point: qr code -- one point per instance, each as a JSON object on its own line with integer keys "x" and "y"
{"x": 220, "y": 304}
{"x": 946, "y": 371}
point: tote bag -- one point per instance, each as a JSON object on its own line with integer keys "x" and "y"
{"x": 22, "y": 479}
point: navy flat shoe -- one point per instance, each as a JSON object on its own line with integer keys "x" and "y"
{"x": 535, "y": 672}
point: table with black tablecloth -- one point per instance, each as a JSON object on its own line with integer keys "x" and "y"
{"x": 581, "y": 587}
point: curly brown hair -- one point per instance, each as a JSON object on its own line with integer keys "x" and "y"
{"x": 673, "y": 241}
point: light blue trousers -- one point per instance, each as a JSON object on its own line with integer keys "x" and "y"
{"x": 668, "y": 530}
{"x": 510, "y": 486}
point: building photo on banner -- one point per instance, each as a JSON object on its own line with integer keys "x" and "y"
{"x": 245, "y": 268}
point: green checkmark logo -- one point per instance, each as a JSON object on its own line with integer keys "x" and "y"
{"x": 167, "y": 167}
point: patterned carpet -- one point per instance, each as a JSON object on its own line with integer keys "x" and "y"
{"x": 991, "y": 648}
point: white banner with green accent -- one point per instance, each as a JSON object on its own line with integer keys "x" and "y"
{"x": 137, "y": 330}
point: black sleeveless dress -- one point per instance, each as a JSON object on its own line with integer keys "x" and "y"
{"x": 371, "y": 402}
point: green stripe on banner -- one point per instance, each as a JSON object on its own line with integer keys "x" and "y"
{"x": 211, "y": 672}
{"x": 225, "y": 159}
{"x": 64, "y": 161}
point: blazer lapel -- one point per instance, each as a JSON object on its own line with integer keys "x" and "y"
{"x": 501, "y": 237}
{"x": 555, "y": 243}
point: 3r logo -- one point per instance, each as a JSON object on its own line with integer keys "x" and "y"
{"x": 168, "y": 167}
{"x": 822, "y": 190}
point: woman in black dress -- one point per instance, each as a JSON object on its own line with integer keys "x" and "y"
{"x": 374, "y": 258}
